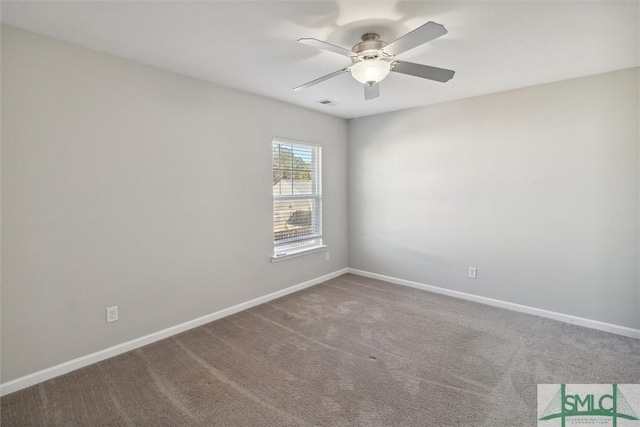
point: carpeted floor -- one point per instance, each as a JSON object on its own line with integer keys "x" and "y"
{"x": 350, "y": 351}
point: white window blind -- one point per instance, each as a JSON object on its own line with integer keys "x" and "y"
{"x": 297, "y": 196}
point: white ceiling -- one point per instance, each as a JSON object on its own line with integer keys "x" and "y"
{"x": 492, "y": 46}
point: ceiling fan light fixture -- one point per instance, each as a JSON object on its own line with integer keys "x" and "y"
{"x": 370, "y": 71}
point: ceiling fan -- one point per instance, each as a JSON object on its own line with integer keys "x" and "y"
{"x": 373, "y": 59}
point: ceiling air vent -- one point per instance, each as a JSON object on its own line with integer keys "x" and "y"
{"x": 328, "y": 102}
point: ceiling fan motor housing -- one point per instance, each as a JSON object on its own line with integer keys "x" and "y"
{"x": 369, "y": 48}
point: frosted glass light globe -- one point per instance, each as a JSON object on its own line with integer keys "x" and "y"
{"x": 371, "y": 70}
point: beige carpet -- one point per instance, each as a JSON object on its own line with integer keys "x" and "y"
{"x": 351, "y": 351}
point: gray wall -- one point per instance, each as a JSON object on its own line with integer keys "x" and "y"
{"x": 537, "y": 188}
{"x": 126, "y": 185}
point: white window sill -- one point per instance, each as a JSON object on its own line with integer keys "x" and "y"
{"x": 298, "y": 252}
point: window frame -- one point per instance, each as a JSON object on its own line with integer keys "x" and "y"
{"x": 296, "y": 246}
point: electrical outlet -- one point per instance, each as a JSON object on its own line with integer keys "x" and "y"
{"x": 327, "y": 256}
{"x": 473, "y": 272}
{"x": 112, "y": 314}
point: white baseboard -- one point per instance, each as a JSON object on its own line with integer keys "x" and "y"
{"x": 567, "y": 318}
{"x": 72, "y": 365}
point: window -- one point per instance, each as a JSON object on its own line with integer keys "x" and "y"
{"x": 297, "y": 197}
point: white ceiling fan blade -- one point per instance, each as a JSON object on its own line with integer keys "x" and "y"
{"x": 371, "y": 91}
{"x": 321, "y": 79}
{"x": 326, "y": 46}
{"x": 423, "y": 71}
{"x": 427, "y": 32}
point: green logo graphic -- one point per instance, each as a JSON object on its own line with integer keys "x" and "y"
{"x": 612, "y": 405}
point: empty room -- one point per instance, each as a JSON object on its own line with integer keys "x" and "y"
{"x": 320, "y": 213}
